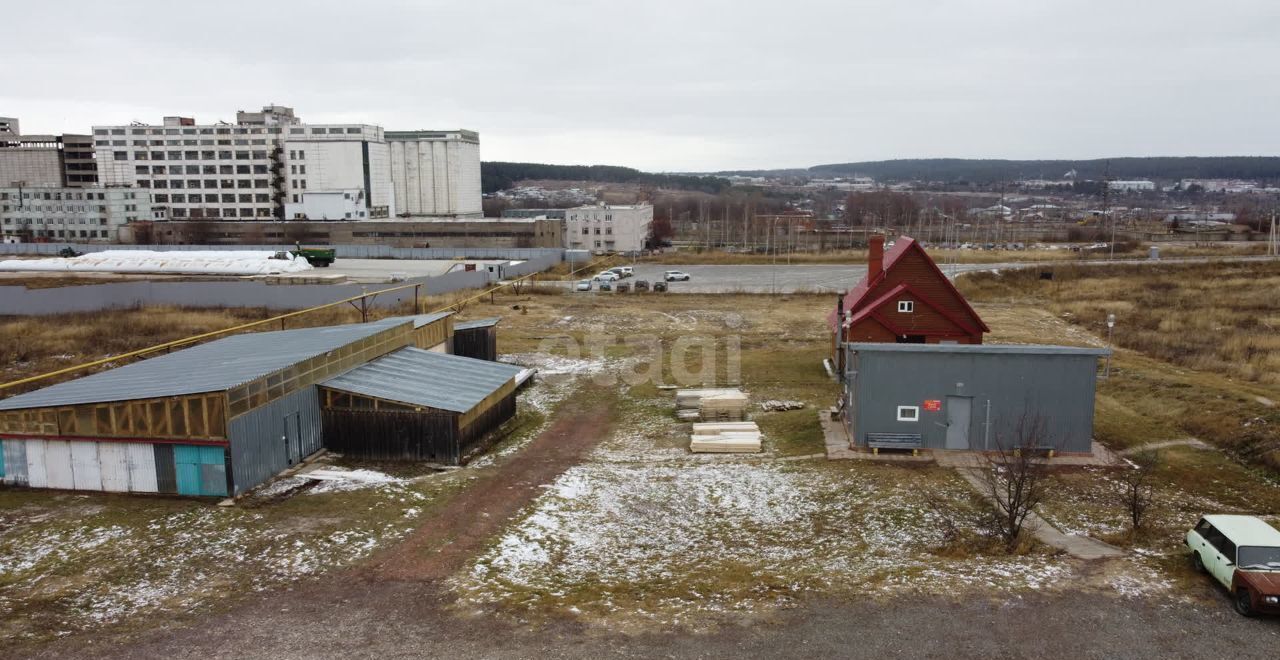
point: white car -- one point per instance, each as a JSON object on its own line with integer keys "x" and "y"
{"x": 1243, "y": 554}
{"x": 606, "y": 276}
{"x": 675, "y": 276}
{"x": 582, "y": 285}
{"x": 622, "y": 271}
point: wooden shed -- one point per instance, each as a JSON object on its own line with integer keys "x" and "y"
{"x": 476, "y": 339}
{"x": 417, "y": 405}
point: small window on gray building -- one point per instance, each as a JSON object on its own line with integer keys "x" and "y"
{"x": 908, "y": 413}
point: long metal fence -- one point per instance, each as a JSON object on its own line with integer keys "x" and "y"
{"x": 16, "y": 300}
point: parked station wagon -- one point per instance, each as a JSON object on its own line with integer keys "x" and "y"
{"x": 1243, "y": 555}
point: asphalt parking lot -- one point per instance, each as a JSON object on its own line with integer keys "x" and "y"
{"x": 808, "y": 278}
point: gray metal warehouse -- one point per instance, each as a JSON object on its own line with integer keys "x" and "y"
{"x": 220, "y": 418}
{"x": 952, "y": 396}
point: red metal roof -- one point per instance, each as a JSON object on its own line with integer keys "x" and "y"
{"x": 855, "y": 302}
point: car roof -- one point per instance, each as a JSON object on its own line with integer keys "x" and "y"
{"x": 1246, "y": 530}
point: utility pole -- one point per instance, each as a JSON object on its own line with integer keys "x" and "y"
{"x": 1106, "y": 209}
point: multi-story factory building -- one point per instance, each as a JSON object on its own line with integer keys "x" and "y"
{"x": 261, "y": 167}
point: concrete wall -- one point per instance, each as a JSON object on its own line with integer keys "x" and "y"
{"x": 60, "y": 300}
{"x": 31, "y": 166}
{"x": 1059, "y": 387}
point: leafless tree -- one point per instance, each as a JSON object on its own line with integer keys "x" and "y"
{"x": 1137, "y": 486}
{"x": 1015, "y": 476}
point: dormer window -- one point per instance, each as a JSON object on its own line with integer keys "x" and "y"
{"x": 906, "y": 306}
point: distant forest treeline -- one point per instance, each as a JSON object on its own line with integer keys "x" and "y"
{"x": 964, "y": 170}
{"x": 495, "y": 176}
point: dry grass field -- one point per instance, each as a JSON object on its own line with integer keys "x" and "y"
{"x": 1199, "y": 347}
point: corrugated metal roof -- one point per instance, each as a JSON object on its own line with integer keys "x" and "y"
{"x": 478, "y": 323}
{"x": 425, "y": 378}
{"x": 420, "y": 320}
{"x": 212, "y": 367}
{"x": 1007, "y": 349}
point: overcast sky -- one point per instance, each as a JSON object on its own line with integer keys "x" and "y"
{"x": 677, "y": 86}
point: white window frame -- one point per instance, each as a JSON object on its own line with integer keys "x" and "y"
{"x": 906, "y": 306}
{"x": 908, "y": 413}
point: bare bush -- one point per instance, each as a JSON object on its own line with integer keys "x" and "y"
{"x": 1015, "y": 477}
{"x": 1137, "y": 487}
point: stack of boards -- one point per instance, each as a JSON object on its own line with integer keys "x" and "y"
{"x": 721, "y": 405}
{"x": 725, "y": 438}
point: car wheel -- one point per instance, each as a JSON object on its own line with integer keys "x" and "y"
{"x": 1244, "y": 602}
{"x": 1196, "y": 563}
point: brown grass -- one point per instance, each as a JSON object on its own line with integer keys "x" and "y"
{"x": 1197, "y": 346}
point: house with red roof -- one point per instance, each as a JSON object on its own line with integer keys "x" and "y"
{"x": 904, "y": 298}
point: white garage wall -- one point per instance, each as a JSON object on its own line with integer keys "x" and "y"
{"x": 86, "y": 471}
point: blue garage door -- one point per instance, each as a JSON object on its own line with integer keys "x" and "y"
{"x": 200, "y": 470}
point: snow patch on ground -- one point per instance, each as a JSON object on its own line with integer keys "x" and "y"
{"x": 211, "y": 262}
{"x": 726, "y": 537}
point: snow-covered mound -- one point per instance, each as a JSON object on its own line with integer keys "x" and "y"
{"x": 214, "y": 262}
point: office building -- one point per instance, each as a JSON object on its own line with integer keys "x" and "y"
{"x": 83, "y": 215}
{"x": 608, "y": 228}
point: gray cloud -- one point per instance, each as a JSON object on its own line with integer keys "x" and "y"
{"x": 679, "y": 85}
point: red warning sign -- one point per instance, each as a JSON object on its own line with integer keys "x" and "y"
{"x": 933, "y": 405}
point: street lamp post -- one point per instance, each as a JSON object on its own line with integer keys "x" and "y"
{"x": 1111, "y": 324}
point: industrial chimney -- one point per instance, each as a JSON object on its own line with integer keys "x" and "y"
{"x": 875, "y": 257}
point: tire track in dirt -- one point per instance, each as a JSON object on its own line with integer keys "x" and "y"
{"x": 454, "y": 534}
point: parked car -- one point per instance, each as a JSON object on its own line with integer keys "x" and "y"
{"x": 623, "y": 287}
{"x": 622, "y": 271}
{"x": 675, "y": 276}
{"x": 606, "y": 285}
{"x": 583, "y": 285}
{"x": 642, "y": 285}
{"x": 1243, "y": 554}
{"x": 659, "y": 287}
{"x": 606, "y": 276}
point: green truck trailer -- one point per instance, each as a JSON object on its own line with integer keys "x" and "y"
{"x": 318, "y": 257}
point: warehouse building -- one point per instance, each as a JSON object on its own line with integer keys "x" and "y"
{"x": 223, "y": 417}
{"x": 957, "y": 396}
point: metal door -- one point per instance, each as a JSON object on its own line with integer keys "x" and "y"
{"x": 293, "y": 438}
{"x": 958, "y": 414}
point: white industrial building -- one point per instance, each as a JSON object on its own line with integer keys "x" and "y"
{"x": 1131, "y": 186}
{"x": 436, "y": 173}
{"x": 243, "y": 171}
{"x": 608, "y": 228}
{"x": 85, "y": 215}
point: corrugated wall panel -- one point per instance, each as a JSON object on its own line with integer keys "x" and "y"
{"x": 113, "y": 457}
{"x": 257, "y": 438}
{"x": 166, "y": 472}
{"x": 37, "y": 472}
{"x": 15, "y": 462}
{"x": 142, "y": 468}
{"x": 86, "y": 471}
{"x": 57, "y": 463}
